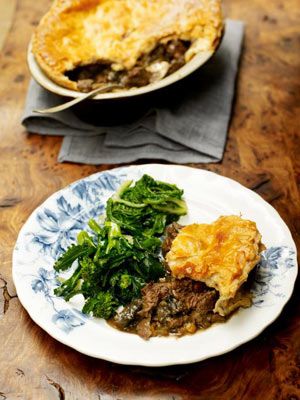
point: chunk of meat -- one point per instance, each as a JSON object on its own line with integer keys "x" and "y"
{"x": 170, "y": 234}
{"x": 124, "y": 318}
{"x": 85, "y": 85}
{"x": 152, "y": 294}
{"x": 143, "y": 328}
{"x": 137, "y": 76}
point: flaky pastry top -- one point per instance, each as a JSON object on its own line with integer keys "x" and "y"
{"x": 220, "y": 254}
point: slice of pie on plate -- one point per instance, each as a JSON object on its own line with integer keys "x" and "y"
{"x": 221, "y": 255}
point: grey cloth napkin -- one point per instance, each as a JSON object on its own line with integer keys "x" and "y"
{"x": 183, "y": 123}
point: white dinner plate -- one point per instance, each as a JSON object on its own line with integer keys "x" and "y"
{"x": 54, "y": 225}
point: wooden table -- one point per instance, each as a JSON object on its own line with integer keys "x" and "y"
{"x": 262, "y": 153}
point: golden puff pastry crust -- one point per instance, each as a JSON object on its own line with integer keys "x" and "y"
{"x": 220, "y": 254}
{"x": 82, "y": 32}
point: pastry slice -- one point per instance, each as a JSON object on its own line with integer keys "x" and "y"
{"x": 220, "y": 254}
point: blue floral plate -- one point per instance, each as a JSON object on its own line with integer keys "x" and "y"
{"x": 53, "y": 226}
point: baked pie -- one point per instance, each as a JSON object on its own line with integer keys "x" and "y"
{"x": 221, "y": 255}
{"x": 209, "y": 278}
{"x": 83, "y": 44}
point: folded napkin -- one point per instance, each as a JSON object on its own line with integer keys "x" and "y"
{"x": 185, "y": 122}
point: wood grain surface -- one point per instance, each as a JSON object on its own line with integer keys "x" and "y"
{"x": 262, "y": 153}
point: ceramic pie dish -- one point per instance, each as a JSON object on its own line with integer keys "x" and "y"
{"x": 140, "y": 45}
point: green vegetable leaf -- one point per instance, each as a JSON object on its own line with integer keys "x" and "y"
{"x": 102, "y": 305}
{"x": 71, "y": 286}
{"x": 146, "y": 207}
{"x": 73, "y": 252}
{"x": 95, "y": 226}
{"x": 119, "y": 257}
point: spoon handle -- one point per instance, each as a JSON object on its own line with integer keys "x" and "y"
{"x": 71, "y": 103}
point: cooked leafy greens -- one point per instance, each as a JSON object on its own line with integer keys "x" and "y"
{"x": 117, "y": 258}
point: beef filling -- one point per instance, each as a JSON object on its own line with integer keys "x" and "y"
{"x": 160, "y": 62}
{"x": 174, "y": 306}
{"x": 170, "y": 306}
{"x": 170, "y": 234}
